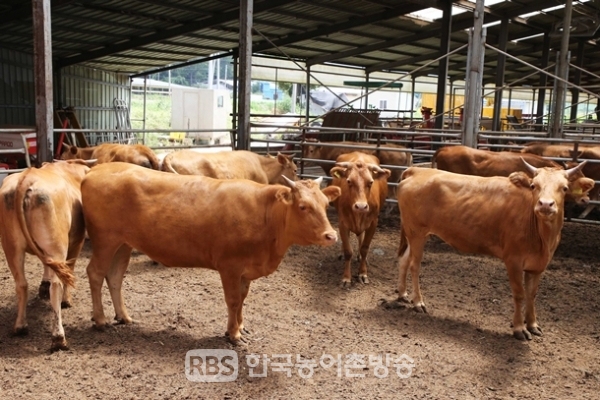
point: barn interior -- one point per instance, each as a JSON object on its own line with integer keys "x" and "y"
{"x": 80, "y": 56}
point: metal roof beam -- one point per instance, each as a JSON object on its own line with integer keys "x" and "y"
{"x": 24, "y": 11}
{"x": 174, "y": 6}
{"x": 156, "y": 36}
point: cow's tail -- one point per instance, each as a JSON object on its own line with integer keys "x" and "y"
{"x": 60, "y": 268}
{"x": 403, "y": 242}
{"x": 167, "y": 167}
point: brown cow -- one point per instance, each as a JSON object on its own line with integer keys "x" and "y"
{"x": 41, "y": 214}
{"x": 137, "y": 154}
{"x": 364, "y": 189}
{"x": 591, "y": 170}
{"x": 240, "y": 164}
{"x": 468, "y": 161}
{"x": 241, "y": 229}
{"x": 331, "y": 153}
{"x": 515, "y": 218}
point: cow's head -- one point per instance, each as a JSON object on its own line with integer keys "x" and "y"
{"x": 356, "y": 180}
{"x": 70, "y": 152}
{"x": 312, "y": 150}
{"x": 306, "y": 220}
{"x": 288, "y": 166}
{"x": 579, "y": 186}
{"x": 549, "y": 187}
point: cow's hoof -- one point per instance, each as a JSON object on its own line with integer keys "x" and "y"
{"x": 245, "y": 332}
{"x": 123, "y": 321}
{"x": 404, "y": 299}
{"x": 21, "y": 331}
{"x": 239, "y": 341}
{"x": 346, "y": 284}
{"x": 522, "y": 335}
{"x": 44, "y": 290}
{"x": 59, "y": 343}
{"x": 535, "y": 330}
{"x": 363, "y": 279}
{"x": 392, "y": 305}
{"x": 420, "y": 308}
{"x": 65, "y": 304}
{"x": 103, "y": 327}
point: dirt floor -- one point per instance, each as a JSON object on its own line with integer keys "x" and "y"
{"x": 462, "y": 349}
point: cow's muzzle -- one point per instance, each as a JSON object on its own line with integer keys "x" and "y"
{"x": 361, "y": 206}
{"x": 330, "y": 237}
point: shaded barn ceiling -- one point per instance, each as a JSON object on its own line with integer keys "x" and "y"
{"x": 134, "y": 36}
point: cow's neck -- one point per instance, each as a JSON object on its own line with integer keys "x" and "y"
{"x": 548, "y": 234}
{"x": 271, "y": 168}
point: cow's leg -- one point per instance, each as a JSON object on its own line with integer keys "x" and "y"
{"x": 16, "y": 263}
{"x": 365, "y": 243}
{"x": 97, "y": 270}
{"x": 515, "y": 276}
{"x": 114, "y": 279}
{"x": 232, "y": 288}
{"x": 532, "y": 280}
{"x": 44, "y": 290}
{"x": 245, "y": 287}
{"x": 347, "y": 253}
{"x": 58, "y": 333}
{"x": 411, "y": 256}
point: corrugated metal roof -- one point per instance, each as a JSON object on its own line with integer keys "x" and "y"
{"x": 134, "y": 36}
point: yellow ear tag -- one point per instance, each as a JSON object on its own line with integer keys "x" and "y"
{"x": 577, "y": 191}
{"x": 337, "y": 174}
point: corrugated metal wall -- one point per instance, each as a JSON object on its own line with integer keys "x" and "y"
{"x": 17, "y": 91}
{"x": 91, "y": 92}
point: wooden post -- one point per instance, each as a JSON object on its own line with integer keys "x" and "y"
{"x": 42, "y": 62}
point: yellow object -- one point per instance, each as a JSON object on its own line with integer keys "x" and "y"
{"x": 177, "y": 136}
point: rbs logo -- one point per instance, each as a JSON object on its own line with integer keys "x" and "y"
{"x": 211, "y": 365}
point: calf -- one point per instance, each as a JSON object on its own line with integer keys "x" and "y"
{"x": 239, "y": 228}
{"x": 240, "y": 164}
{"x": 41, "y": 214}
{"x": 517, "y": 219}
{"x": 137, "y": 154}
{"x": 364, "y": 189}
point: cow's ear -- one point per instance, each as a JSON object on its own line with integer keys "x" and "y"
{"x": 338, "y": 172}
{"x": 285, "y": 195}
{"x": 73, "y": 150}
{"x": 332, "y": 192}
{"x": 282, "y": 158}
{"x": 586, "y": 184}
{"x": 520, "y": 179}
{"x": 381, "y": 173}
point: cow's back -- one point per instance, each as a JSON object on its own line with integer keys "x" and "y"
{"x": 239, "y": 164}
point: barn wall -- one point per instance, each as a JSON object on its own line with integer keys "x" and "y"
{"x": 90, "y": 91}
{"x": 17, "y": 91}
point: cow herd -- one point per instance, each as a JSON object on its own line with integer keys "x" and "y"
{"x": 238, "y": 213}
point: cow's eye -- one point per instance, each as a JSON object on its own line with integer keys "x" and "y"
{"x": 565, "y": 189}
{"x": 302, "y": 207}
{"x": 532, "y": 186}
{"x": 370, "y": 183}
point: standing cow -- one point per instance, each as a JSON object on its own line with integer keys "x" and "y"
{"x": 517, "y": 219}
{"x": 239, "y": 164}
{"x": 469, "y": 161}
{"x": 364, "y": 189}
{"x": 41, "y": 214}
{"x": 241, "y": 229}
{"x": 137, "y": 154}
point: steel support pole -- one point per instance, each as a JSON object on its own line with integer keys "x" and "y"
{"x": 502, "y": 40}
{"x": 245, "y": 73}
{"x": 577, "y": 81}
{"x": 473, "y": 81}
{"x": 543, "y": 82}
{"x": 443, "y": 64}
{"x": 42, "y": 66}
{"x": 234, "y": 137}
{"x": 563, "y": 71}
